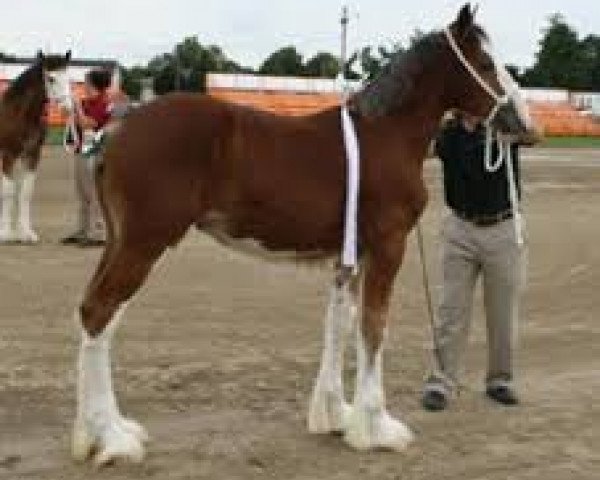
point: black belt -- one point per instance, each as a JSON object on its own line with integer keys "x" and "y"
{"x": 484, "y": 220}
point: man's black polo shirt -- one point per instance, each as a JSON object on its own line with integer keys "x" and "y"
{"x": 469, "y": 188}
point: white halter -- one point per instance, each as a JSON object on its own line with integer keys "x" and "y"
{"x": 504, "y": 145}
{"x": 500, "y": 100}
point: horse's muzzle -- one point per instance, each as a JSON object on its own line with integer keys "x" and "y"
{"x": 508, "y": 120}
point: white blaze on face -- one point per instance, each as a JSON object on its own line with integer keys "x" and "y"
{"x": 58, "y": 87}
{"x": 510, "y": 86}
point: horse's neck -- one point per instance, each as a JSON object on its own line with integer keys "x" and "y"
{"x": 405, "y": 135}
{"x": 29, "y": 107}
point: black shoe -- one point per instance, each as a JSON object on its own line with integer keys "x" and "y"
{"x": 72, "y": 239}
{"x": 91, "y": 242}
{"x": 502, "y": 394}
{"x": 434, "y": 400}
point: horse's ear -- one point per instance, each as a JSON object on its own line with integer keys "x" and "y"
{"x": 464, "y": 21}
{"x": 39, "y": 55}
{"x": 68, "y": 55}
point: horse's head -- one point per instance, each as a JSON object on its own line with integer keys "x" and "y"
{"x": 56, "y": 78}
{"x": 479, "y": 84}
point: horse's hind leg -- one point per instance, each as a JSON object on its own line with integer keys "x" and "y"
{"x": 25, "y": 232}
{"x": 100, "y": 429}
{"x": 328, "y": 409}
{"x": 30, "y": 160}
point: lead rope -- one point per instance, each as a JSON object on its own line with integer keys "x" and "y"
{"x": 505, "y": 156}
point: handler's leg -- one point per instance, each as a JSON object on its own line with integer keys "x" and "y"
{"x": 96, "y": 233}
{"x": 502, "y": 282}
{"x": 460, "y": 267}
{"x": 83, "y": 207}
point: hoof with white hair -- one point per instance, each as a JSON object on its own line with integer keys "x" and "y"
{"x": 121, "y": 439}
{"x": 371, "y": 429}
{"x": 328, "y": 412}
{"x": 7, "y": 235}
{"x": 27, "y": 236}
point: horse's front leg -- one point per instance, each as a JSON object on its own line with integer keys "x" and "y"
{"x": 328, "y": 409}
{"x": 25, "y": 232}
{"x": 8, "y": 196}
{"x": 369, "y": 424}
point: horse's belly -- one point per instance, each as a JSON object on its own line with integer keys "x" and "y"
{"x": 265, "y": 241}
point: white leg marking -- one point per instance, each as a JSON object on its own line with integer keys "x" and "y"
{"x": 7, "y": 233}
{"x": 25, "y": 233}
{"x": 328, "y": 409}
{"x": 369, "y": 425}
{"x": 99, "y": 428}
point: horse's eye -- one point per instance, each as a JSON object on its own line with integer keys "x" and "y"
{"x": 488, "y": 67}
{"x": 51, "y": 79}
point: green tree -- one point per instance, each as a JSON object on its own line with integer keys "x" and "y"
{"x": 131, "y": 80}
{"x": 560, "y": 61}
{"x": 590, "y": 46}
{"x": 283, "y": 62}
{"x": 372, "y": 64}
{"x": 185, "y": 68}
{"x": 323, "y": 65}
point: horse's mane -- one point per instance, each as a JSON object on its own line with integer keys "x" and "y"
{"x": 396, "y": 82}
{"x": 23, "y": 82}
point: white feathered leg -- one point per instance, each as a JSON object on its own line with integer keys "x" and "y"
{"x": 328, "y": 409}
{"x": 99, "y": 429}
{"x": 369, "y": 424}
{"x": 7, "y": 233}
{"x": 25, "y": 233}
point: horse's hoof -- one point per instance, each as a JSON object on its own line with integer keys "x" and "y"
{"x": 369, "y": 429}
{"x": 27, "y": 237}
{"x": 327, "y": 413}
{"x": 7, "y": 236}
{"x": 121, "y": 440}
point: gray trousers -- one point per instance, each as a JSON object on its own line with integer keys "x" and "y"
{"x": 90, "y": 223}
{"x": 469, "y": 251}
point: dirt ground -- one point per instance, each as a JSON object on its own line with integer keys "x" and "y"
{"x": 217, "y": 354}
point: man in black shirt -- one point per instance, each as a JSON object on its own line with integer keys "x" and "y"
{"x": 478, "y": 236}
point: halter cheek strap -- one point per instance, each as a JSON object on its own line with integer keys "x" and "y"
{"x": 500, "y": 100}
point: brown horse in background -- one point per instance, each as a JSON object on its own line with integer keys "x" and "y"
{"x": 22, "y": 134}
{"x": 276, "y": 186}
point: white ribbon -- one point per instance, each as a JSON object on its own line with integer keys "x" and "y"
{"x": 349, "y": 248}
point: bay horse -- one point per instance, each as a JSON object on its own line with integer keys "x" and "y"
{"x": 22, "y": 134}
{"x": 275, "y": 186}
